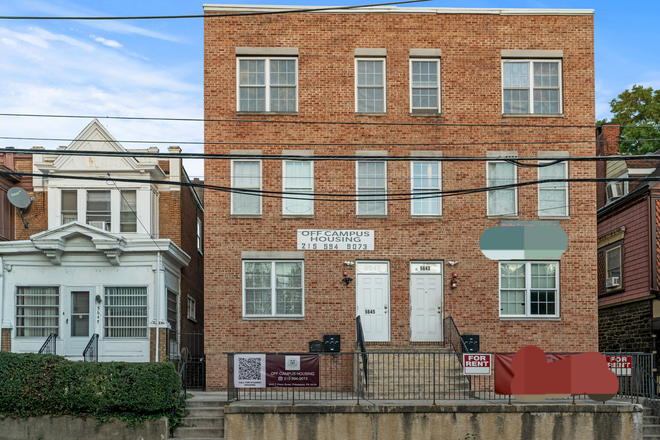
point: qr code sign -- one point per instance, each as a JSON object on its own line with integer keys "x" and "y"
{"x": 250, "y": 370}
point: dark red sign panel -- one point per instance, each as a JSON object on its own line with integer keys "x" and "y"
{"x": 299, "y": 370}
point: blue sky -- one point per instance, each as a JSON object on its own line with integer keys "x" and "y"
{"x": 152, "y": 68}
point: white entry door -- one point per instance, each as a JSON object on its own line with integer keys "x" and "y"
{"x": 426, "y": 301}
{"x": 373, "y": 300}
{"x": 78, "y": 319}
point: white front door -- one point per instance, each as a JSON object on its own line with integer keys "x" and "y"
{"x": 78, "y": 319}
{"x": 373, "y": 300}
{"x": 426, "y": 301}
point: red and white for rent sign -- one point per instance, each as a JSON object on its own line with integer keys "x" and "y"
{"x": 620, "y": 365}
{"x": 477, "y": 364}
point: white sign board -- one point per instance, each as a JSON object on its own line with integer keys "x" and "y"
{"x": 477, "y": 364}
{"x": 250, "y": 370}
{"x": 335, "y": 240}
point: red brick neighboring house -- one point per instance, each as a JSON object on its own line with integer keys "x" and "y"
{"x": 269, "y": 290}
{"x": 7, "y": 224}
{"x": 628, "y": 250}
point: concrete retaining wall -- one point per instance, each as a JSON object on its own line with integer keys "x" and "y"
{"x": 68, "y": 428}
{"x": 443, "y": 422}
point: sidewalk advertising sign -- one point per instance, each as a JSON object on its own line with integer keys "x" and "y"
{"x": 476, "y": 364}
{"x": 276, "y": 370}
{"x": 620, "y": 365}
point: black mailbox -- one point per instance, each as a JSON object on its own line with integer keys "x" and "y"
{"x": 332, "y": 343}
{"x": 472, "y": 343}
{"x": 315, "y": 346}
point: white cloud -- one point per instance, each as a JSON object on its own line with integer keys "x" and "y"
{"x": 110, "y": 43}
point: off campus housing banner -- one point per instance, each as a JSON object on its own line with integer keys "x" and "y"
{"x": 276, "y": 370}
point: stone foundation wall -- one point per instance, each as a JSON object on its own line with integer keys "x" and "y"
{"x": 626, "y": 327}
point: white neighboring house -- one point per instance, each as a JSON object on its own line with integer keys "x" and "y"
{"x": 100, "y": 267}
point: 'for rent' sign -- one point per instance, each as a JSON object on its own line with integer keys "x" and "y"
{"x": 477, "y": 364}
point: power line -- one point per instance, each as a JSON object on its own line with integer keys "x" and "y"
{"x": 168, "y": 17}
{"x": 133, "y": 154}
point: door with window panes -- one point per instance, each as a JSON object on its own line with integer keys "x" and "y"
{"x": 78, "y": 319}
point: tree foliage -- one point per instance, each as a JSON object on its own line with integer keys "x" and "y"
{"x": 638, "y": 111}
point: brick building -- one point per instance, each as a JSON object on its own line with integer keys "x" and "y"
{"x": 628, "y": 250}
{"x": 377, "y": 85}
{"x": 113, "y": 258}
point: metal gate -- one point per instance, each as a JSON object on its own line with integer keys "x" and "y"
{"x": 188, "y": 348}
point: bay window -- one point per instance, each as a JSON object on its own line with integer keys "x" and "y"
{"x": 529, "y": 289}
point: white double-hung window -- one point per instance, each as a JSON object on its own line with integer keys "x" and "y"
{"x": 553, "y": 196}
{"x": 370, "y": 88}
{"x": 502, "y": 201}
{"x": 426, "y": 180}
{"x": 273, "y": 289}
{"x": 529, "y": 289}
{"x": 267, "y": 84}
{"x": 424, "y": 86}
{"x": 125, "y": 312}
{"x": 298, "y": 178}
{"x": 246, "y": 175}
{"x": 531, "y": 86}
{"x": 372, "y": 188}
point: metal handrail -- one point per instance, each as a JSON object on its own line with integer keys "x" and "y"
{"x": 648, "y": 389}
{"x": 363, "y": 349}
{"x": 91, "y": 352}
{"x": 50, "y": 346}
{"x": 453, "y": 330}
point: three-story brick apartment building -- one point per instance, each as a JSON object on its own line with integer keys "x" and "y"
{"x": 379, "y": 86}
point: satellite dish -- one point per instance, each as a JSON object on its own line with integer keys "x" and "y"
{"x": 19, "y": 197}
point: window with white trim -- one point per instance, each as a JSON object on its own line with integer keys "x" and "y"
{"x": 128, "y": 212}
{"x": 370, "y": 89}
{"x": 553, "y": 196}
{"x": 267, "y": 84}
{"x": 125, "y": 313}
{"x": 69, "y": 206}
{"x": 273, "y": 289}
{"x": 529, "y": 289}
{"x": 246, "y": 175}
{"x": 502, "y": 201}
{"x": 426, "y": 178}
{"x": 37, "y": 311}
{"x": 99, "y": 210}
{"x": 372, "y": 188}
{"x": 531, "y": 87}
{"x": 298, "y": 177}
{"x": 192, "y": 312}
{"x": 424, "y": 86}
{"x": 200, "y": 235}
{"x": 113, "y": 210}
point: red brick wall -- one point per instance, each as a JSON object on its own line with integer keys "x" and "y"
{"x": 636, "y": 267}
{"x": 471, "y": 93}
{"x": 192, "y": 277}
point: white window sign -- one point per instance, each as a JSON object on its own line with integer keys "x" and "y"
{"x": 335, "y": 240}
{"x": 423, "y": 268}
{"x": 250, "y": 371}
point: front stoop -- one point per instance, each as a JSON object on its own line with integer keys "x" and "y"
{"x": 205, "y": 420}
{"x": 651, "y": 425}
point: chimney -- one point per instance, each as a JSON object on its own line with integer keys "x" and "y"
{"x": 610, "y": 139}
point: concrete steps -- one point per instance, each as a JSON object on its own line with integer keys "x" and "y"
{"x": 204, "y": 420}
{"x": 651, "y": 425}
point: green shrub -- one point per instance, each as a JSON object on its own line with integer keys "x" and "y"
{"x": 36, "y": 384}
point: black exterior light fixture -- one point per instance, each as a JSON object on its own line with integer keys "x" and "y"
{"x": 347, "y": 280}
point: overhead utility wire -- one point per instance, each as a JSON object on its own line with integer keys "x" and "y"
{"x": 162, "y": 17}
{"x": 327, "y": 144}
{"x": 134, "y": 154}
{"x": 336, "y": 196}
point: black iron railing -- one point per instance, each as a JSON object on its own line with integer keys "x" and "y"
{"x": 188, "y": 348}
{"x": 91, "y": 352}
{"x": 50, "y": 346}
{"x": 363, "y": 351}
{"x": 453, "y": 337}
{"x": 649, "y": 389}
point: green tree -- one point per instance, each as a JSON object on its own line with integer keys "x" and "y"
{"x": 638, "y": 111}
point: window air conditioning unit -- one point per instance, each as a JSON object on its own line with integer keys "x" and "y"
{"x": 611, "y": 282}
{"x": 100, "y": 225}
{"x": 614, "y": 190}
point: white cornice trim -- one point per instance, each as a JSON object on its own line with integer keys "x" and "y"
{"x": 395, "y": 10}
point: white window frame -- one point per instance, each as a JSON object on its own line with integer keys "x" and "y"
{"x": 528, "y": 289}
{"x": 412, "y": 188}
{"x": 531, "y": 87}
{"x": 384, "y": 86}
{"x": 515, "y": 190}
{"x": 267, "y": 86}
{"x": 59, "y": 307}
{"x": 410, "y": 82}
{"x": 115, "y": 207}
{"x": 192, "y": 309}
{"x": 284, "y": 189}
{"x": 261, "y": 183}
{"x": 106, "y": 306}
{"x": 273, "y": 292}
{"x": 200, "y": 236}
{"x": 357, "y": 187}
{"x": 542, "y": 212}
{"x": 73, "y": 190}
